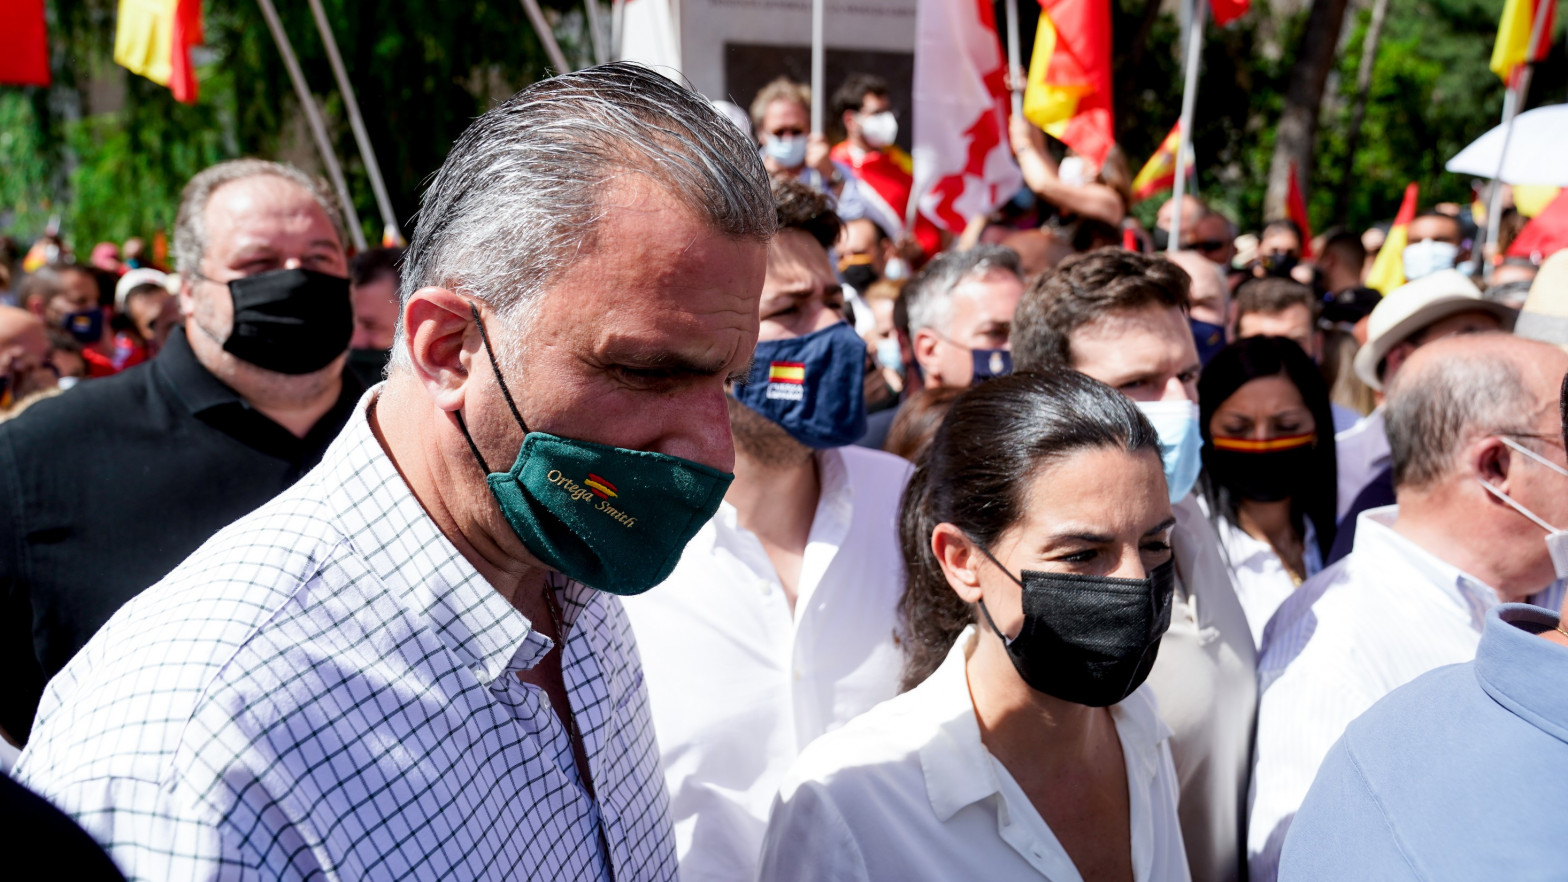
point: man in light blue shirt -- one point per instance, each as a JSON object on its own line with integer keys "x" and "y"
{"x": 1457, "y": 774}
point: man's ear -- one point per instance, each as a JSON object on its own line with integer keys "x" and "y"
{"x": 925, "y": 352}
{"x": 959, "y": 559}
{"x": 1490, "y": 460}
{"x": 442, "y": 339}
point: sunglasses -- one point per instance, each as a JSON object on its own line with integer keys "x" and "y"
{"x": 1209, "y": 245}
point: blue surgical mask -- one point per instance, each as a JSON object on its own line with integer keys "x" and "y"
{"x": 813, "y": 386}
{"x": 85, "y": 325}
{"x": 789, "y": 152}
{"x": 1209, "y": 337}
{"x": 1427, "y": 257}
{"x": 1181, "y": 443}
{"x": 889, "y": 355}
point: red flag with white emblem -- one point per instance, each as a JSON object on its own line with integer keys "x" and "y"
{"x": 963, "y": 164}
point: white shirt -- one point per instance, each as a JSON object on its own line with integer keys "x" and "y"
{"x": 739, "y": 684}
{"x": 327, "y": 689}
{"x": 909, "y": 792}
{"x": 1205, "y": 680}
{"x": 1360, "y": 452}
{"x": 1262, "y": 582}
{"x": 1387, "y": 613}
{"x": 1345, "y": 418}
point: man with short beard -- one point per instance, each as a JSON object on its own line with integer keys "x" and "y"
{"x": 777, "y": 624}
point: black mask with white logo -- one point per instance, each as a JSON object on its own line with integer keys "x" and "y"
{"x": 291, "y": 321}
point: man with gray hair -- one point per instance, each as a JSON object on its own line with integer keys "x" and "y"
{"x": 411, "y": 664}
{"x": 108, "y": 488}
{"x": 961, "y": 315}
{"x": 1468, "y": 417}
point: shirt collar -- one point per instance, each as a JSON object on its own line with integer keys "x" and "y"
{"x": 196, "y": 387}
{"x": 430, "y": 578}
{"x": 1521, "y": 671}
{"x": 955, "y": 762}
{"x": 1376, "y": 539}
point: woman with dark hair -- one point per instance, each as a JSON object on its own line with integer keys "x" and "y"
{"x": 1269, "y": 472}
{"x": 1039, "y": 575}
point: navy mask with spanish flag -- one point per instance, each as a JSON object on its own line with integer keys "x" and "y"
{"x": 1262, "y": 471}
{"x": 813, "y": 386}
{"x": 611, "y": 518}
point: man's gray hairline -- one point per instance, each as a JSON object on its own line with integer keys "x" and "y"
{"x": 941, "y": 310}
{"x": 190, "y": 229}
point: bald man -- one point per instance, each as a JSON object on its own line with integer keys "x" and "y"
{"x": 1471, "y": 419}
{"x": 24, "y": 359}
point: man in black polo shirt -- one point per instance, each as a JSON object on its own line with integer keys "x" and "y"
{"x": 105, "y": 490}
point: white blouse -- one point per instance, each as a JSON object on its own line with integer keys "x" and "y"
{"x": 908, "y": 792}
{"x": 1262, "y": 582}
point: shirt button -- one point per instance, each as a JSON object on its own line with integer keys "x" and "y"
{"x": 765, "y": 586}
{"x": 797, "y": 674}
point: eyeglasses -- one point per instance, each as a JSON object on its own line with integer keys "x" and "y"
{"x": 1209, "y": 245}
{"x": 788, "y": 133}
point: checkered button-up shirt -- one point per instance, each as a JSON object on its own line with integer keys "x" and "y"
{"x": 327, "y": 689}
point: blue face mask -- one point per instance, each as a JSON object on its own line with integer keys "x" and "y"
{"x": 1209, "y": 337}
{"x": 990, "y": 363}
{"x": 889, "y": 355}
{"x": 787, "y": 152}
{"x": 85, "y": 325}
{"x": 1181, "y": 443}
{"x": 812, "y": 386}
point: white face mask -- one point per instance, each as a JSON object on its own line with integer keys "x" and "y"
{"x": 1556, "y": 540}
{"x": 879, "y": 129}
{"x": 789, "y": 152}
{"x": 896, "y": 269}
{"x": 1428, "y": 256}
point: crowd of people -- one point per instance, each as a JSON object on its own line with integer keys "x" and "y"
{"x": 672, "y": 508}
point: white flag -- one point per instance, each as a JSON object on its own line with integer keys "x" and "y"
{"x": 650, "y": 33}
{"x": 963, "y": 163}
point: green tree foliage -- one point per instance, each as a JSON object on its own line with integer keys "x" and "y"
{"x": 422, "y": 73}
{"x": 424, "y": 68}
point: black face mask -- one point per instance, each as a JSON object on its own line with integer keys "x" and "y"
{"x": 1262, "y": 471}
{"x": 1162, "y": 238}
{"x": 1089, "y": 640}
{"x": 859, "y": 276}
{"x": 291, "y": 321}
{"x": 370, "y": 365}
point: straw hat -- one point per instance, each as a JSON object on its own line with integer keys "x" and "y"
{"x": 1410, "y": 308}
{"x": 1545, "y": 313}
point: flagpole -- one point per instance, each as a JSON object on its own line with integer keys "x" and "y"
{"x": 367, "y": 151}
{"x": 546, "y": 36}
{"x": 1013, "y": 57}
{"x": 617, "y": 28}
{"x": 1189, "y": 100}
{"x": 595, "y": 31}
{"x": 818, "y": 77}
{"x": 1513, "y": 100}
{"x": 318, "y": 128}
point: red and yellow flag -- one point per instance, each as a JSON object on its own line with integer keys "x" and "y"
{"x": 1513, "y": 35}
{"x": 1296, "y": 208}
{"x": 1069, "y": 91}
{"x": 1388, "y": 270}
{"x": 25, "y": 61}
{"x": 1159, "y": 172}
{"x": 154, "y": 38}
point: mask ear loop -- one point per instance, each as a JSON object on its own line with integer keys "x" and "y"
{"x": 505, "y": 393}
{"x": 1006, "y": 641}
{"x": 490, "y": 352}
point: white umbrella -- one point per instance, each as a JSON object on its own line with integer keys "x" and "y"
{"x": 1535, "y": 151}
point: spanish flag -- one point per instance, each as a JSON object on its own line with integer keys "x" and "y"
{"x": 1388, "y": 271}
{"x": 1069, "y": 91}
{"x": 154, "y": 38}
{"x": 1249, "y": 445}
{"x": 787, "y": 372}
{"x": 25, "y": 61}
{"x": 1513, "y": 35}
{"x": 1160, "y": 171}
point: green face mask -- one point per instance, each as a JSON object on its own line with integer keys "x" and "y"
{"x": 613, "y": 519}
